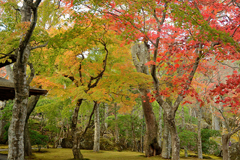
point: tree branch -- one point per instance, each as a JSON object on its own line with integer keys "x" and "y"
{"x": 30, "y": 77}
{"x": 40, "y": 46}
{"x": 88, "y": 125}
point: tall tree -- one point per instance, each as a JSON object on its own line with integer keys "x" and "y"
{"x": 21, "y": 83}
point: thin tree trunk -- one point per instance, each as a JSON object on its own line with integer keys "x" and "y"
{"x": 200, "y": 156}
{"x": 215, "y": 120}
{"x": 116, "y": 126}
{"x": 133, "y": 134}
{"x": 185, "y": 152}
{"x": 183, "y": 117}
{"x": 76, "y": 147}
{"x": 160, "y": 127}
{"x": 106, "y": 116}
{"x": 30, "y": 107}
{"x": 96, "y": 146}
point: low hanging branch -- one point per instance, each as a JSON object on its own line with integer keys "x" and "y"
{"x": 90, "y": 118}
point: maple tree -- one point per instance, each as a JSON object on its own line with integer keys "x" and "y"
{"x": 192, "y": 32}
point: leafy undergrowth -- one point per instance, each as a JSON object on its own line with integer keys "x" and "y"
{"x": 66, "y": 154}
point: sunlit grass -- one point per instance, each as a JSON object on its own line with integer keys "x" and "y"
{"x": 66, "y": 154}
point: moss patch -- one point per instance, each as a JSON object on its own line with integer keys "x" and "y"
{"x": 66, "y": 154}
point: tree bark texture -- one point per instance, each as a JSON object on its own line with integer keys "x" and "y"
{"x": 75, "y": 140}
{"x": 169, "y": 115}
{"x": 30, "y": 107}
{"x": 183, "y": 117}
{"x": 151, "y": 137}
{"x": 21, "y": 83}
{"x": 166, "y": 132}
{"x": 215, "y": 120}
{"x": 200, "y": 156}
{"x": 225, "y": 146}
{"x": 96, "y": 147}
{"x": 160, "y": 127}
{"x": 106, "y": 116}
{"x": 141, "y": 56}
{"x": 116, "y": 125}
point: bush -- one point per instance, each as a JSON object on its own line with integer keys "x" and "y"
{"x": 38, "y": 139}
{"x": 187, "y": 138}
{"x": 207, "y": 143}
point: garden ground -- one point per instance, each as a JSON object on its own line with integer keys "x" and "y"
{"x": 66, "y": 154}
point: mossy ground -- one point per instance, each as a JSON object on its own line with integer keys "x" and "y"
{"x": 66, "y": 154}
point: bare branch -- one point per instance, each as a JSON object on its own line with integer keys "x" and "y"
{"x": 88, "y": 125}
{"x": 40, "y": 46}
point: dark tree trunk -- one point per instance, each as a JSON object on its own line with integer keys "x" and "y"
{"x": 75, "y": 139}
{"x": 151, "y": 138}
{"x": 30, "y": 107}
{"x": 141, "y": 55}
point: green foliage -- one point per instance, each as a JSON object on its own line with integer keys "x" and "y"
{"x": 208, "y": 144}
{"x": 187, "y": 116}
{"x": 37, "y": 139}
{"x": 7, "y": 110}
{"x": 125, "y": 124}
{"x": 187, "y": 138}
{"x": 5, "y": 134}
{"x": 54, "y": 112}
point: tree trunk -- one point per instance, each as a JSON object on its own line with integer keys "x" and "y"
{"x": 21, "y": 83}
{"x": 199, "y": 133}
{"x": 30, "y": 107}
{"x": 27, "y": 142}
{"x": 175, "y": 139}
{"x": 165, "y": 154}
{"x": 183, "y": 117}
{"x": 76, "y": 147}
{"x": 169, "y": 145}
{"x": 96, "y": 146}
{"x": 185, "y": 152}
{"x": 141, "y": 55}
{"x": 106, "y": 116}
{"x": 133, "y": 134}
{"x": 116, "y": 126}
{"x": 160, "y": 127}
{"x": 225, "y": 146}
{"x": 169, "y": 114}
{"x": 2, "y": 122}
{"x": 151, "y": 138}
{"x": 215, "y": 120}
{"x": 19, "y": 112}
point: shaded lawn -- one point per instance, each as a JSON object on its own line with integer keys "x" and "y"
{"x": 66, "y": 154}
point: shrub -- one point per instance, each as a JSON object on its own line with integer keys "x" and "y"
{"x": 207, "y": 143}
{"x": 38, "y": 139}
